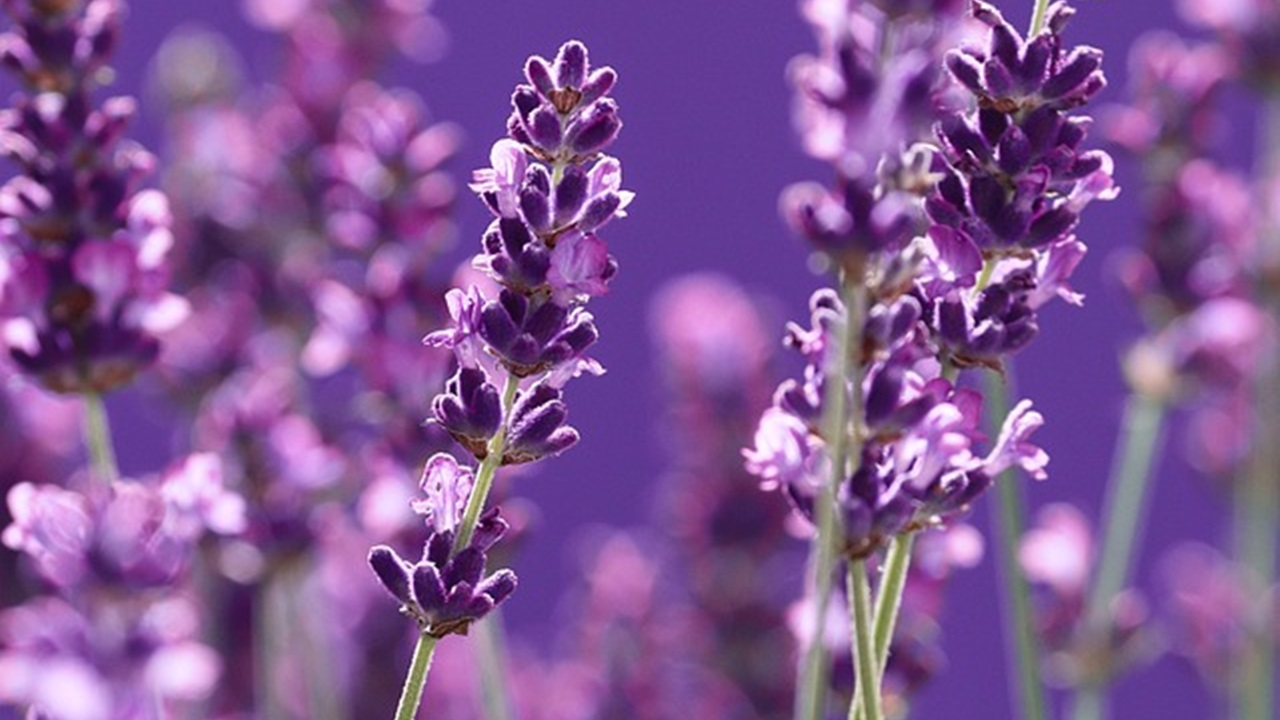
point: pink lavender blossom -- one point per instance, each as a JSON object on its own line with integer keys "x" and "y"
{"x": 1058, "y": 555}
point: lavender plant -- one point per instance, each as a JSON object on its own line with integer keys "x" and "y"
{"x": 83, "y": 300}
{"x": 550, "y": 188}
{"x": 946, "y": 247}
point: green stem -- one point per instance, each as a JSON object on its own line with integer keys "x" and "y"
{"x": 1037, "y": 18}
{"x": 866, "y": 655}
{"x": 97, "y": 439}
{"x": 1126, "y": 497}
{"x": 1007, "y": 510}
{"x": 488, "y": 469}
{"x": 1257, "y": 515}
{"x": 411, "y": 695}
{"x": 889, "y": 595}
{"x": 815, "y": 665}
{"x": 489, "y": 654}
{"x": 888, "y": 602}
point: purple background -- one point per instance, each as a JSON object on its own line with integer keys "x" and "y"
{"x": 707, "y": 147}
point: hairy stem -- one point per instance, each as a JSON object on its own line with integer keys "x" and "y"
{"x": 1009, "y": 517}
{"x": 416, "y": 680}
{"x": 488, "y": 469}
{"x": 1127, "y": 491}
{"x": 865, "y": 656}
{"x": 1037, "y": 18}
{"x": 888, "y": 602}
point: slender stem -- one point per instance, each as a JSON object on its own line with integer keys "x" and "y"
{"x": 489, "y": 653}
{"x": 1037, "y": 18}
{"x": 1126, "y": 498}
{"x": 488, "y": 469}
{"x": 1257, "y": 515}
{"x": 888, "y": 602}
{"x": 889, "y": 596}
{"x": 97, "y": 438}
{"x": 1007, "y": 510}
{"x": 411, "y": 695}
{"x": 865, "y": 655}
{"x": 843, "y": 444}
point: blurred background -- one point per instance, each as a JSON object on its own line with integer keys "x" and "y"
{"x": 707, "y": 146}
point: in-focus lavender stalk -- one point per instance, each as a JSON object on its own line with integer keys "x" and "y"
{"x": 550, "y": 188}
{"x": 955, "y": 240}
{"x": 1017, "y": 181}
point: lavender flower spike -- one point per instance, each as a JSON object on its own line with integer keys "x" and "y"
{"x": 525, "y": 329}
{"x": 446, "y": 592}
{"x": 83, "y": 251}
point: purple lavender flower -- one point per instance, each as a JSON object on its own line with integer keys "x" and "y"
{"x": 445, "y": 592}
{"x": 1209, "y": 599}
{"x": 69, "y": 664}
{"x": 83, "y": 269}
{"x": 1016, "y": 176}
{"x": 135, "y": 534}
{"x": 917, "y": 465}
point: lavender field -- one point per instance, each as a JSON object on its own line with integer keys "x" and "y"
{"x": 573, "y": 360}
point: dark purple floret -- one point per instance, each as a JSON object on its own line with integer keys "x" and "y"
{"x": 570, "y": 195}
{"x": 594, "y": 129}
{"x": 446, "y": 594}
{"x": 571, "y": 65}
{"x": 1016, "y": 175}
{"x": 470, "y": 409}
{"x": 392, "y": 572}
{"x": 515, "y": 255}
{"x": 1000, "y": 322}
{"x": 856, "y": 219}
{"x": 538, "y": 426}
{"x": 530, "y": 336}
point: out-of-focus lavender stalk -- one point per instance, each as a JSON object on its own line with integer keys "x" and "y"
{"x": 1127, "y": 489}
{"x": 97, "y": 438}
{"x": 1257, "y": 510}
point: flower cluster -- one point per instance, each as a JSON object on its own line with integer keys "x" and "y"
{"x": 116, "y": 638}
{"x": 1195, "y": 273}
{"x": 445, "y": 592}
{"x": 1058, "y": 555}
{"x": 83, "y": 250}
{"x": 951, "y": 224}
{"x": 524, "y": 327}
{"x": 952, "y": 283}
{"x": 918, "y": 464}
